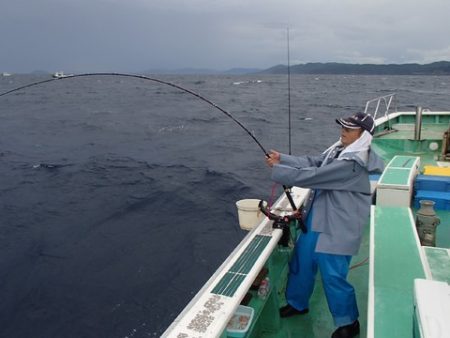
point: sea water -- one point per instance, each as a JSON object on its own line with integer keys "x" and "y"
{"x": 118, "y": 194}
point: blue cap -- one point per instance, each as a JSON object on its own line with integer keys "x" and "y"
{"x": 359, "y": 120}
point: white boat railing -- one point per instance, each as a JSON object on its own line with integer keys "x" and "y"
{"x": 381, "y": 103}
{"x": 209, "y": 312}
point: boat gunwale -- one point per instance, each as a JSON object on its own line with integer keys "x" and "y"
{"x": 177, "y": 326}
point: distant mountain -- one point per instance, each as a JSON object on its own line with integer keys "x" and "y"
{"x": 238, "y": 71}
{"x": 203, "y": 71}
{"x": 435, "y": 68}
{"x": 182, "y": 71}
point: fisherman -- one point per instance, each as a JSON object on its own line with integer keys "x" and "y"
{"x": 336, "y": 212}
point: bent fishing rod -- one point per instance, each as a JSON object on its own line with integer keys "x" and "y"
{"x": 143, "y": 77}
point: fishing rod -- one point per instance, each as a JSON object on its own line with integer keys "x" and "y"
{"x": 143, "y": 77}
{"x": 286, "y": 189}
{"x": 289, "y": 89}
{"x": 149, "y": 79}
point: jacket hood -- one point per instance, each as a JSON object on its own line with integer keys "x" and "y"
{"x": 360, "y": 152}
{"x": 367, "y": 159}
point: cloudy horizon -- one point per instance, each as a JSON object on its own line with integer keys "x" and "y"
{"x": 138, "y": 35}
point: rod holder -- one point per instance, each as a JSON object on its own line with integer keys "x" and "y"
{"x": 418, "y": 125}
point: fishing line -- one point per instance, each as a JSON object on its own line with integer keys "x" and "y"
{"x": 357, "y": 265}
{"x": 143, "y": 77}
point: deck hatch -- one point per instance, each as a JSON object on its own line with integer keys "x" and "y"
{"x": 395, "y": 176}
{"x": 230, "y": 282}
{"x": 406, "y": 162}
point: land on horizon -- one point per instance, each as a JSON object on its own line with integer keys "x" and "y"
{"x": 435, "y": 68}
{"x": 316, "y": 68}
{"x": 322, "y": 68}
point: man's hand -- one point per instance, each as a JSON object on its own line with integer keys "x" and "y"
{"x": 274, "y": 158}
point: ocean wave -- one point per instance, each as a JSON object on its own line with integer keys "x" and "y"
{"x": 50, "y": 166}
{"x": 213, "y": 119}
{"x": 171, "y": 129}
{"x": 237, "y": 83}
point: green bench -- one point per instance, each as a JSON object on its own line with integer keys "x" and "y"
{"x": 396, "y": 259}
{"x": 395, "y": 187}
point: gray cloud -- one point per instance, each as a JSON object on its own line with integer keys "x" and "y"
{"x": 113, "y": 35}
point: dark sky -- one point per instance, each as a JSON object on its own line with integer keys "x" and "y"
{"x": 138, "y": 35}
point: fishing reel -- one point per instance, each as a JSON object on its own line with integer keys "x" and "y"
{"x": 282, "y": 222}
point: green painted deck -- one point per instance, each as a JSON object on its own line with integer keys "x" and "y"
{"x": 405, "y": 131}
{"x": 396, "y": 259}
{"x": 443, "y": 229}
{"x": 318, "y": 323}
{"x": 400, "y": 139}
{"x": 401, "y": 143}
{"x": 439, "y": 262}
{"x": 396, "y": 263}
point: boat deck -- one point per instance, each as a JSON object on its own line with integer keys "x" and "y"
{"x": 439, "y": 262}
{"x": 383, "y": 273}
{"x": 318, "y": 322}
{"x": 443, "y": 229}
{"x": 396, "y": 260}
{"x": 399, "y": 140}
{"x": 405, "y": 131}
{"x": 385, "y": 285}
{"x": 392, "y": 302}
{"x": 387, "y": 296}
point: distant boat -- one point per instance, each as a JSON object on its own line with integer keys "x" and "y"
{"x": 6, "y": 74}
{"x": 59, "y": 75}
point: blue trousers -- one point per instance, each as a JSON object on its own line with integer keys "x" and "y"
{"x": 303, "y": 268}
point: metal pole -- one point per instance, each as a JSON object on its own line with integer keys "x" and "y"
{"x": 289, "y": 90}
{"x": 418, "y": 125}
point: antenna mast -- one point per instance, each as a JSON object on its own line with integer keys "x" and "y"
{"x": 289, "y": 90}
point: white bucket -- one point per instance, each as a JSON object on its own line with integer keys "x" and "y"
{"x": 249, "y": 213}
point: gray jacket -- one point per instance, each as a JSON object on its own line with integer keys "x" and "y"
{"x": 342, "y": 203}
